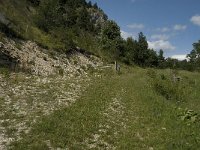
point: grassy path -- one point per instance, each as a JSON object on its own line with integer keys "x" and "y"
{"x": 24, "y": 99}
{"x": 115, "y": 112}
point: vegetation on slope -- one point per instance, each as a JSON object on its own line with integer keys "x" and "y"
{"x": 56, "y": 25}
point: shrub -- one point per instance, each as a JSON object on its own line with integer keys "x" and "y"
{"x": 166, "y": 87}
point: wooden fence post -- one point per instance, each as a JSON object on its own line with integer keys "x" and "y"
{"x": 117, "y": 67}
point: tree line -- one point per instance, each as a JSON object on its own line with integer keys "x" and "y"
{"x": 136, "y": 51}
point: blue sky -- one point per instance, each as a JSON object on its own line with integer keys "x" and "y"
{"x": 172, "y": 25}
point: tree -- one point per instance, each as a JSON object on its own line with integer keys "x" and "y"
{"x": 171, "y": 63}
{"x": 83, "y": 20}
{"x": 160, "y": 55}
{"x": 89, "y": 4}
{"x": 111, "y": 40}
{"x": 142, "y": 41}
{"x": 111, "y": 31}
{"x": 152, "y": 59}
{"x": 161, "y": 59}
{"x": 194, "y": 56}
{"x": 142, "y": 51}
{"x": 131, "y": 47}
{"x": 48, "y": 15}
{"x": 95, "y": 6}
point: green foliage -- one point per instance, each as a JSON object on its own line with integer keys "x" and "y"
{"x": 142, "y": 51}
{"x": 111, "y": 40}
{"x": 169, "y": 87}
{"x": 89, "y": 43}
{"x": 194, "y": 56}
{"x": 161, "y": 59}
{"x": 65, "y": 14}
{"x": 151, "y": 59}
{"x": 131, "y": 48}
{"x": 111, "y": 31}
{"x": 55, "y": 25}
{"x": 137, "y": 51}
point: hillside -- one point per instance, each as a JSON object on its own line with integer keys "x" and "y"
{"x": 59, "y": 88}
{"x": 44, "y": 22}
{"x": 62, "y": 25}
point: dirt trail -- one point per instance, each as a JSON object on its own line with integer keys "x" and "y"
{"x": 114, "y": 122}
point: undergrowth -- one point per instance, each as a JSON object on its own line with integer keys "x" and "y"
{"x": 169, "y": 87}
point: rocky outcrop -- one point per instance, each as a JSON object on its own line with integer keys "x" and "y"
{"x": 98, "y": 17}
{"x": 28, "y": 56}
{"x": 6, "y": 60}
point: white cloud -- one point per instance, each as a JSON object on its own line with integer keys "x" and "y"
{"x": 164, "y": 29}
{"x": 125, "y": 35}
{"x": 179, "y": 27}
{"x": 161, "y": 44}
{"x": 195, "y": 20}
{"x": 160, "y": 37}
{"x": 135, "y": 26}
{"x": 179, "y": 57}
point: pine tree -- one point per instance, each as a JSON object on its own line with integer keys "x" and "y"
{"x": 142, "y": 51}
{"x": 161, "y": 59}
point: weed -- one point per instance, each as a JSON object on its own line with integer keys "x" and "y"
{"x": 83, "y": 67}
{"x": 168, "y": 88}
{"x": 61, "y": 71}
{"x": 6, "y": 72}
{"x": 75, "y": 62}
{"x": 151, "y": 73}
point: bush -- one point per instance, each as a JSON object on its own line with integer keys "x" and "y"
{"x": 166, "y": 87}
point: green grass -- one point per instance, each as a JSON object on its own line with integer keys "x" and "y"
{"x": 150, "y": 121}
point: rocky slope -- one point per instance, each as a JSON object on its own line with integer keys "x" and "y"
{"x": 39, "y": 84}
{"x": 28, "y": 56}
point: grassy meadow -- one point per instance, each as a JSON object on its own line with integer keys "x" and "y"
{"x": 135, "y": 109}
